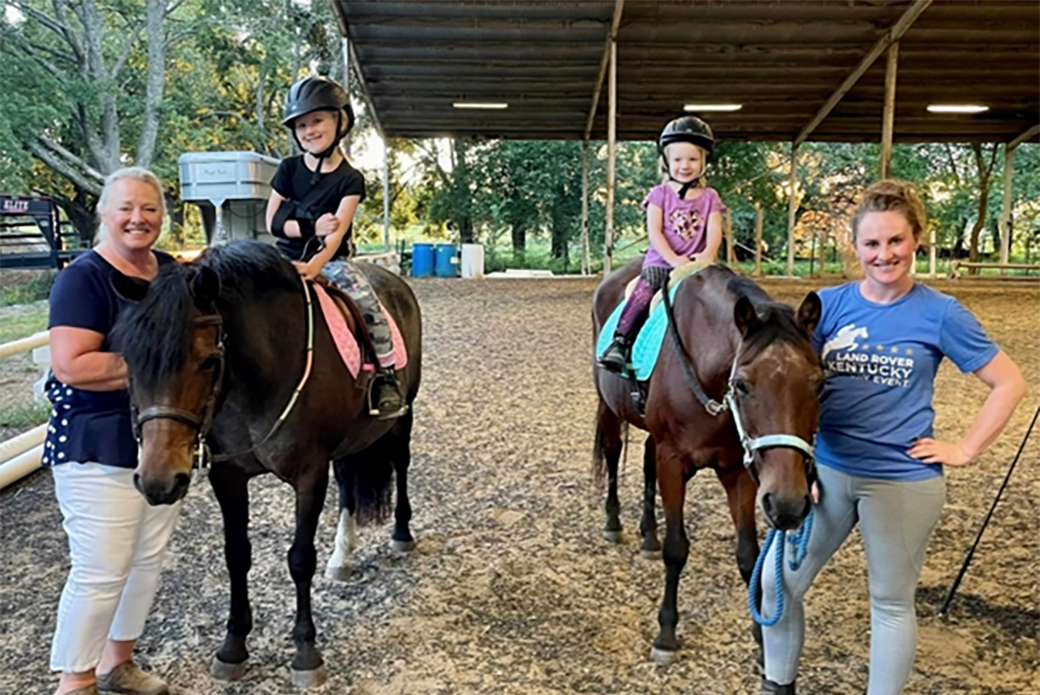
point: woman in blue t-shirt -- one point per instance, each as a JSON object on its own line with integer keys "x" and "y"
{"x": 881, "y": 340}
{"x": 116, "y": 540}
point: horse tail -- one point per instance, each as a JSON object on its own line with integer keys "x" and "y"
{"x": 610, "y": 432}
{"x": 368, "y": 476}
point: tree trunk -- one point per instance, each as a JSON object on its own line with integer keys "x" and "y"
{"x": 519, "y": 236}
{"x": 155, "y": 13}
{"x": 984, "y": 172}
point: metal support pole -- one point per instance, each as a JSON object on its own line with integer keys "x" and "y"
{"x": 759, "y": 221}
{"x": 888, "y": 120}
{"x": 608, "y": 235}
{"x": 386, "y": 196}
{"x": 345, "y": 44}
{"x": 585, "y": 269}
{"x": 792, "y": 208}
{"x": 1006, "y": 226}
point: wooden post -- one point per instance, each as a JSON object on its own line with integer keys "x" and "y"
{"x": 759, "y": 221}
{"x": 345, "y": 45}
{"x": 585, "y": 270}
{"x": 386, "y": 196}
{"x": 931, "y": 252}
{"x": 1006, "y": 226}
{"x": 608, "y": 236}
{"x": 888, "y": 120}
{"x": 731, "y": 252}
{"x": 792, "y": 208}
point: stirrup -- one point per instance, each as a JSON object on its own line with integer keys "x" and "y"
{"x": 386, "y": 406}
{"x": 616, "y": 357}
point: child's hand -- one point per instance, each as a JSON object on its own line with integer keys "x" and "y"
{"x": 308, "y": 270}
{"x": 327, "y": 224}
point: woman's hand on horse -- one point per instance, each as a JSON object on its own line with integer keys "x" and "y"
{"x": 308, "y": 270}
{"x": 327, "y": 224}
{"x": 930, "y": 450}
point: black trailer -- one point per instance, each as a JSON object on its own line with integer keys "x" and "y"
{"x": 32, "y": 236}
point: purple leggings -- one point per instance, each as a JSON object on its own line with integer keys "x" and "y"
{"x": 634, "y": 314}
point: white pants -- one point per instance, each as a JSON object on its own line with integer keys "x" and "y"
{"x": 116, "y": 542}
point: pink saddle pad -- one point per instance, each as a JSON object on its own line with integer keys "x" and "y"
{"x": 345, "y": 341}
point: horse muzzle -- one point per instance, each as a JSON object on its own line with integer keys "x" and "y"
{"x": 166, "y": 489}
{"x": 784, "y": 514}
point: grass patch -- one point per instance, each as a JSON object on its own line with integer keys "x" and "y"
{"x": 23, "y": 325}
{"x": 34, "y": 290}
{"x": 24, "y": 415}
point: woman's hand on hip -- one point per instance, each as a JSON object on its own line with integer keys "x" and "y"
{"x": 930, "y": 450}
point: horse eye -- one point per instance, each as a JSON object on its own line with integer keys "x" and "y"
{"x": 209, "y": 363}
{"x": 742, "y": 388}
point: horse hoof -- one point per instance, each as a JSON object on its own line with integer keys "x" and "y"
{"x": 309, "y": 679}
{"x": 663, "y": 656}
{"x": 227, "y": 672}
{"x": 402, "y": 546}
{"x": 612, "y": 536}
{"x": 338, "y": 574}
{"x": 650, "y": 554}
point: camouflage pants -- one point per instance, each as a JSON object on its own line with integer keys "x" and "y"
{"x": 348, "y": 277}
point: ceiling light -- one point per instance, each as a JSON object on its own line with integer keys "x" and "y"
{"x": 480, "y": 105}
{"x": 957, "y": 108}
{"x": 713, "y": 107}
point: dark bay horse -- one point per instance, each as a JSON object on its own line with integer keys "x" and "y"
{"x": 218, "y": 354}
{"x": 743, "y": 352}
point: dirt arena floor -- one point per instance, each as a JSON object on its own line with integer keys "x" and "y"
{"x": 511, "y": 590}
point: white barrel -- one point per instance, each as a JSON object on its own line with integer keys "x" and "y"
{"x": 473, "y": 261}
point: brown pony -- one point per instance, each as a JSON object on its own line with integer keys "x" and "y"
{"x": 739, "y": 352}
{"x": 229, "y": 354}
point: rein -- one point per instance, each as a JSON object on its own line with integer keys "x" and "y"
{"x": 202, "y": 456}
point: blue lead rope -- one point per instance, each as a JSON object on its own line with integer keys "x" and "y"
{"x": 799, "y": 540}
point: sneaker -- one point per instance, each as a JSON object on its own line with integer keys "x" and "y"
{"x": 616, "y": 357}
{"x": 387, "y": 400}
{"x": 128, "y": 679}
{"x": 771, "y": 688}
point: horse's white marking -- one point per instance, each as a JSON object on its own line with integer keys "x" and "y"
{"x": 346, "y": 541}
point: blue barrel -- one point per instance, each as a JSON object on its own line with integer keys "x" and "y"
{"x": 422, "y": 260}
{"x": 447, "y": 261}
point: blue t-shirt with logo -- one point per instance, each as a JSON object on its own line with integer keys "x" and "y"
{"x": 880, "y": 361}
{"x": 88, "y": 425}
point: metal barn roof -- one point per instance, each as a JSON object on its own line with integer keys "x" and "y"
{"x": 783, "y": 61}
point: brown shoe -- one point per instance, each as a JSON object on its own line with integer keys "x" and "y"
{"x": 86, "y": 690}
{"x": 128, "y": 679}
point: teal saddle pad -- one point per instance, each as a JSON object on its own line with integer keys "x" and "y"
{"x": 648, "y": 343}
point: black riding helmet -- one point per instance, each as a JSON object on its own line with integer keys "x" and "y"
{"x": 318, "y": 94}
{"x": 687, "y": 129}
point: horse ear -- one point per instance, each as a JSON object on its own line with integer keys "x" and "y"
{"x": 745, "y": 316}
{"x": 809, "y": 312}
{"x": 205, "y": 287}
{"x": 129, "y": 288}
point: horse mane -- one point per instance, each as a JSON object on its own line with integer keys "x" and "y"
{"x": 778, "y": 319}
{"x": 154, "y": 335}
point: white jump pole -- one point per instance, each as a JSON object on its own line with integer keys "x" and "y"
{"x": 24, "y": 344}
{"x": 20, "y": 466}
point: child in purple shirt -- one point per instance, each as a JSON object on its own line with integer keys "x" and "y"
{"x": 683, "y": 221}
